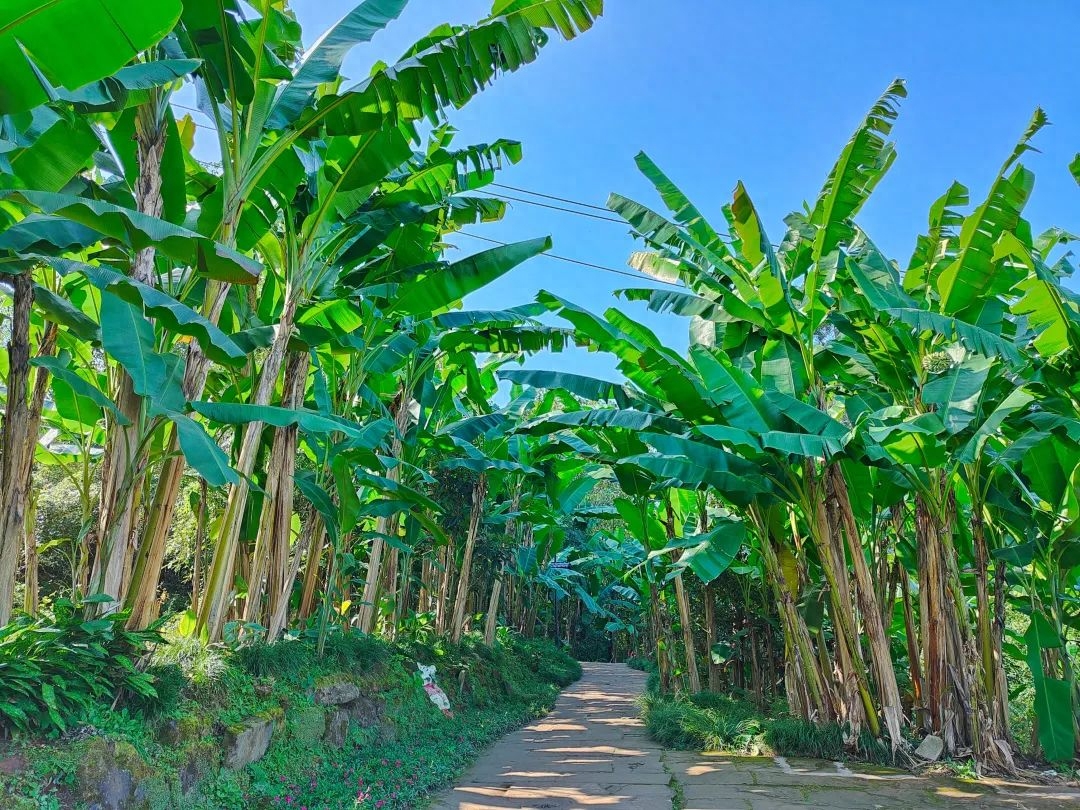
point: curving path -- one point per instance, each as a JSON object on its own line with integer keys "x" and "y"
{"x": 592, "y": 753}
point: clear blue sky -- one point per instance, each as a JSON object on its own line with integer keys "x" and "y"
{"x": 767, "y": 92}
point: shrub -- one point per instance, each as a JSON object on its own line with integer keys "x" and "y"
{"x": 550, "y": 663}
{"x": 55, "y": 667}
{"x": 201, "y": 663}
{"x": 287, "y": 659}
{"x": 790, "y": 736}
{"x": 712, "y": 723}
{"x": 169, "y": 683}
{"x": 641, "y": 664}
{"x": 353, "y": 652}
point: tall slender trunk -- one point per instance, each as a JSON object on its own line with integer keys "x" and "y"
{"x": 279, "y": 604}
{"x": 387, "y": 525}
{"x": 30, "y": 561}
{"x": 710, "y": 637}
{"x": 479, "y": 494}
{"x": 218, "y": 596}
{"x": 17, "y": 443}
{"x": 492, "y": 621}
{"x": 802, "y": 668}
{"x": 313, "y": 565}
{"x": 150, "y": 548}
{"x": 911, "y": 632}
{"x": 995, "y": 687}
{"x": 200, "y": 545}
{"x": 270, "y": 557}
{"x": 125, "y": 462}
{"x": 870, "y": 608}
{"x": 46, "y": 348}
{"x": 446, "y": 556}
{"x": 858, "y": 703}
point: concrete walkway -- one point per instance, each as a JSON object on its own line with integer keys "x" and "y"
{"x": 593, "y": 752}
{"x": 590, "y": 752}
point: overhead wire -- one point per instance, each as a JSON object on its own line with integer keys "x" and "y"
{"x": 551, "y": 197}
{"x": 509, "y": 198}
{"x": 579, "y": 262}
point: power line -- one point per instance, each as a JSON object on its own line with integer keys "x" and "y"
{"x": 579, "y": 262}
{"x": 552, "y": 197}
{"x": 508, "y": 198}
{"x": 190, "y": 109}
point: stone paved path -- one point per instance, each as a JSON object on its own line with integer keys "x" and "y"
{"x": 592, "y": 752}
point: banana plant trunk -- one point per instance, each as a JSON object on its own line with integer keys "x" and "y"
{"x": 126, "y": 456}
{"x": 461, "y": 598}
{"x": 270, "y": 558}
{"x": 492, "y": 621}
{"x": 387, "y": 525}
{"x": 869, "y": 608}
{"x": 804, "y": 672}
{"x": 858, "y": 705}
{"x": 17, "y": 443}
{"x": 218, "y": 595}
{"x": 711, "y": 638}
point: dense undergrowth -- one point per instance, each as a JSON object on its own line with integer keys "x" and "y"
{"x": 169, "y": 737}
{"x": 736, "y": 724}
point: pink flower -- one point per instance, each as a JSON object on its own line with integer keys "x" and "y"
{"x": 379, "y": 804}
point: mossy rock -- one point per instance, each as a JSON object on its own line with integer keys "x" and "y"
{"x": 306, "y": 725}
{"x": 193, "y": 727}
{"x": 110, "y": 775}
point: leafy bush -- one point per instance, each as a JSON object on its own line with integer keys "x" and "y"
{"x": 715, "y": 723}
{"x": 285, "y": 659}
{"x": 789, "y": 736}
{"x": 641, "y": 664}
{"x": 54, "y": 668}
{"x": 169, "y": 684}
{"x": 201, "y": 663}
{"x": 550, "y": 663}
{"x": 355, "y": 652}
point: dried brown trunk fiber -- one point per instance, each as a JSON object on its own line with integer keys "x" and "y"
{"x": 313, "y": 565}
{"x": 17, "y": 443}
{"x": 270, "y": 559}
{"x": 479, "y": 494}
{"x": 492, "y": 620}
{"x": 871, "y": 611}
{"x": 125, "y": 462}
{"x": 711, "y": 638}
{"x": 387, "y": 525}
{"x": 942, "y": 659}
{"x": 855, "y": 688}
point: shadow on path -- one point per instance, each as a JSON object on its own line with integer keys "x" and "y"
{"x": 590, "y": 752}
{"x": 593, "y": 752}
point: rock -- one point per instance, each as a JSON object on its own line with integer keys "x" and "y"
{"x": 930, "y": 748}
{"x": 109, "y": 775}
{"x": 307, "y": 724}
{"x": 366, "y": 711}
{"x": 14, "y": 765}
{"x": 248, "y": 742}
{"x": 115, "y": 789}
{"x": 169, "y": 734}
{"x": 336, "y": 693}
{"x": 337, "y": 728}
